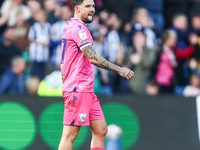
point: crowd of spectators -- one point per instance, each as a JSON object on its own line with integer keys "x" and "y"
{"x": 159, "y": 40}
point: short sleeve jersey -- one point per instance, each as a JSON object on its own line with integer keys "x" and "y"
{"x": 77, "y": 71}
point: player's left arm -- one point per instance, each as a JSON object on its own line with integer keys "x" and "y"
{"x": 99, "y": 61}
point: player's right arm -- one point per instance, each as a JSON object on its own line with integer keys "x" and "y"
{"x": 99, "y": 61}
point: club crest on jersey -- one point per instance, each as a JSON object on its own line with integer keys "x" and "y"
{"x": 82, "y": 117}
{"x": 82, "y": 34}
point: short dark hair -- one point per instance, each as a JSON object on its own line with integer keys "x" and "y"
{"x": 195, "y": 14}
{"x": 76, "y": 2}
{"x": 153, "y": 82}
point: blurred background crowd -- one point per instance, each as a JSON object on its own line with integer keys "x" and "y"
{"x": 159, "y": 40}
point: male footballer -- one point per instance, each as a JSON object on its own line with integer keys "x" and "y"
{"x": 82, "y": 108}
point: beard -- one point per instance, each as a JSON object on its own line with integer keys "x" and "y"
{"x": 87, "y": 19}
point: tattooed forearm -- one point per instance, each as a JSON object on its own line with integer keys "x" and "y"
{"x": 89, "y": 52}
{"x": 103, "y": 63}
{"x": 99, "y": 61}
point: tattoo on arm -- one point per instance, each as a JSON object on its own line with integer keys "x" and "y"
{"x": 89, "y": 52}
{"x": 99, "y": 61}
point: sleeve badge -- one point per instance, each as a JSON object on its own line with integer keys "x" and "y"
{"x": 82, "y": 34}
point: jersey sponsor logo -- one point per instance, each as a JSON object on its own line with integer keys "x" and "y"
{"x": 82, "y": 117}
{"x": 82, "y": 34}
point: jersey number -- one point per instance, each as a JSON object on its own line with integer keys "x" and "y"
{"x": 64, "y": 43}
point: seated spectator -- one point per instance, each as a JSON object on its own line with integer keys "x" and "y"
{"x": 18, "y": 6}
{"x": 8, "y": 49}
{"x": 152, "y": 88}
{"x": 13, "y": 80}
{"x": 50, "y": 86}
{"x": 165, "y": 74}
{"x": 140, "y": 59}
{"x": 39, "y": 44}
{"x": 193, "y": 89}
{"x": 142, "y": 22}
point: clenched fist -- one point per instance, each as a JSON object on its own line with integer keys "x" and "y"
{"x": 127, "y": 73}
